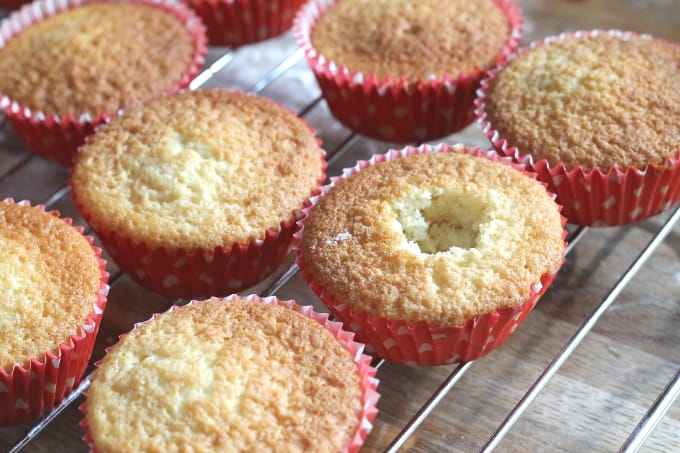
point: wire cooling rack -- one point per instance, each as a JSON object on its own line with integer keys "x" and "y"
{"x": 573, "y": 377}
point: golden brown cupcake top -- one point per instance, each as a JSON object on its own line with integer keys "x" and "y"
{"x": 438, "y": 237}
{"x": 198, "y": 170}
{"x": 226, "y": 376}
{"x": 49, "y": 283}
{"x": 595, "y": 101}
{"x": 96, "y": 58}
{"x": 415, "y": 39}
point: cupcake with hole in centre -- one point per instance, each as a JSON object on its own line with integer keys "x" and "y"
{"x": 432, "y": 255}
{"x": 597, "y": 115}
{"x": 405, "y": 70}
{"x": 52, "y": 294}
{"x": 198, "y": 193}
{"x": 68, "y": 66}
{"x": 234, "y": 374}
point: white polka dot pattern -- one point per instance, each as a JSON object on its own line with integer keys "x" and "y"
{"x": 425, "y": 347}
{"x": 609, "y": 202}
{"x": 170, "y": 281}
{"x": 389, "y": 343}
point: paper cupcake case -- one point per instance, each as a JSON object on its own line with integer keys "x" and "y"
{"x": 370, "y": 395}
{"x": 423, "y": 345}
{"x": 57, "y": 137}
{"x": 195, "y": 273}
{"x": 28, "y": 390}
{"x": 239, "y": 22}
{"x": 592, "y": 197}
{"x": 418, "y": 343}
{"x": 394, "y": 109}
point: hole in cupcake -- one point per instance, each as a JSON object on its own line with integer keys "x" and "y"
{"x": 439, "y": 221}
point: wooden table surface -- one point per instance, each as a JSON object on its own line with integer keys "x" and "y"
{"x": 601, "y": 392}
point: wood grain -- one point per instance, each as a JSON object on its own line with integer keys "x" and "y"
{"x": 599, "y": 395}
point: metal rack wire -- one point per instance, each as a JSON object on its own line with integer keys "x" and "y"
{"x": 638, "y": 433}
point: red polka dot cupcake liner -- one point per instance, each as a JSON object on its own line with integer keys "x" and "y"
{"x": 57, "y": 137}
{"x": 199, "y": 273}
{"x": 423, "y": 345}
{"x": 393, "y": 109}
{"x": 367, "y": 373}
{"x": 418, "y": 343}
{"x": 44, "y": 381}
{"x": 239, "y": 22}
{"x": 593, "y": 197}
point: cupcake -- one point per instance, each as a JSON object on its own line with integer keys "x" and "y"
{"x": 233, "y": 375}
{"x": 198, "y": 193}
{"x": 432, "y": 255}
{"x": 238, "y": 22}
{"x": 52, "y": 295}
{"x": 597, "y": 116}
{"x": 405, "y": 70}
{"x": 68, "y": 66}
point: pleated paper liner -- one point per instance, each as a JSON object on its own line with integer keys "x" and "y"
{"x": 367, "y": 373}
{"x": 42, "y": 383}
{"x": 239, "y": 22}
{"x": 190, "y": 273}
{"x": 417, "y": 342}
{"x": 397, "y": 110}
{"x": 593, "y": 197}
{"x": 57, "y": 137}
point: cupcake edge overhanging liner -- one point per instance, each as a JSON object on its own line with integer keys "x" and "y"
{"x": 592, "y": 197}
{"x": 29, "y": 389}
{"x": 193, "y": 273}
{"x": 57, "y": 137}
{"x": 418, "y": 343}
{"x": 391, "y": 109}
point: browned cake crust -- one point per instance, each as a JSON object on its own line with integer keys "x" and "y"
{"x": 412, "y": 39}
{"x": 95, "y": 59}
{"x": 49, "y": 283}
{"x": 226, "y": 376}
{"x": 596, "y": 101}
{"x": 438, "y": 237}
{"x": 198, "y": 170}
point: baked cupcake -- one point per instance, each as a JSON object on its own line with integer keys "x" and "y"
{"x": 198, "y": 193}
{"x": 597, "y": 116}
{"x": 405, "y": 70}
{"x": 233, "y": 375}
{"x": 52, "y": 295}
{"x": 432, "y": 255}
{"x": 238, "y": 22}
{"x": 68, "y": 66}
